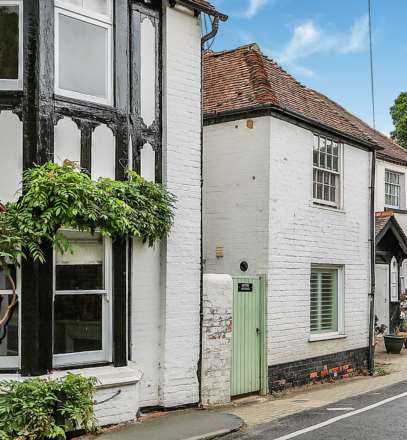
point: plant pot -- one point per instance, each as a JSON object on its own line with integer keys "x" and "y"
{"x": 393, "y": 343}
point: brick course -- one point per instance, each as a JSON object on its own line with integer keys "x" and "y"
{"x": 317, "y": 369}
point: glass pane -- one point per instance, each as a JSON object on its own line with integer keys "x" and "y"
{"x": 326, "y": 192}
{"x": 335, "y": 164}
{"x": 81, "y": 269}
{"x": 75, "y": 2}
{"x": 83, "y": 63}
{"x": 319, "y": 191}
{"x": 9, "y": 332}
{"x": 333, "y": 194}
{"x": 329, "y": 162}
{"x": 9, "y": 42}
{"x": 77, "y": 323}
{"x": 98, "y": 6}
{"x": 329, "y": 146}
{"x": 5, "y": 281}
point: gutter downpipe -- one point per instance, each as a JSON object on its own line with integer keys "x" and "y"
{"x": 204, "y": 39}
{"x": 372, "y": 265}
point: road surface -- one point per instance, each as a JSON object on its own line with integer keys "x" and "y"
{"x": 380, "y": 415}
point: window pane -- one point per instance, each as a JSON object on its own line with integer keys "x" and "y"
{"x": 83, "y": 63}
{"x": 9, "y": 42}
{"x": 324, "y": 300}
{"x": 5, "y": 281}
{"x": 9, "y": 332}
{"x": 83, "y": 268}
{"x": 77, "y": 323}
{"x": 98, "y": 6}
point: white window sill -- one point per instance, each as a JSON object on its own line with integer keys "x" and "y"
{"x": 107, "y": 376}
{"x": 320, "y": 205}
{"x": 326, "y": 337}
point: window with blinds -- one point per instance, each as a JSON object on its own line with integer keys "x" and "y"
{"x": 324, "y": 300}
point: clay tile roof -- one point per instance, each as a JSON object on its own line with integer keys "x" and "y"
{"x": 244, "y": 78}
{"x": 382, "y": 218}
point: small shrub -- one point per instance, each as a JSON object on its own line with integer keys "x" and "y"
{"x": 37, "y": 409}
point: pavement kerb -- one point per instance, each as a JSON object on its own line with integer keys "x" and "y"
{"x": 216, "y": 434}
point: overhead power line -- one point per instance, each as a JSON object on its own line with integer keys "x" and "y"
{"x": 371, "y": 65}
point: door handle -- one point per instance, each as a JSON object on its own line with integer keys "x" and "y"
{"x": 257, "y": 331}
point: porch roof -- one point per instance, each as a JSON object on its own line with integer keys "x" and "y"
{"x": 385, "y": 221}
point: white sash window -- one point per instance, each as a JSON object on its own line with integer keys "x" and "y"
{"x": 82, "y": 301}
{"x": 11, "y": 45}
{"x": 326, "y": 171}
{"x": 83, "y": 50}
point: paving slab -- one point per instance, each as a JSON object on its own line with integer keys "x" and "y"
{"x": 179, "y": 425}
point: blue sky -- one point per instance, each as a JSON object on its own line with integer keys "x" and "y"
{"x": 324, "y": 44}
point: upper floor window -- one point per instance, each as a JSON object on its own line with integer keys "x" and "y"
{"x": 11, "y": 45}
{"x": 83, "y": 50}
{"x": 392, "y": 189}
{"x": 326, "y": 171}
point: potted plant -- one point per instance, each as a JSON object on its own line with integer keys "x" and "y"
{"x": 393, "y": 343}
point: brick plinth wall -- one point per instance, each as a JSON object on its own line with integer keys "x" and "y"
{"x": 317, "y": 369}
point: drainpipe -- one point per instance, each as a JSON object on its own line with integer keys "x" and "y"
{"x": 204, "y": 39}
{"x": 372, "y": 264}
{"x": 212, "y": 33}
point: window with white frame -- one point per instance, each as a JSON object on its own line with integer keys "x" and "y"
{"x": 326, "y": 311}
{"x": 83, "y": 50}
{"x": 9, "y": 332}
{"x": 11, "y": 45}
{"x": 82, "y": 300}
{"x": 326, "y": 171}
{"x": 392, "y": 189}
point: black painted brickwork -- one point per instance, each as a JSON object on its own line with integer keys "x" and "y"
{"x": 316, "y": 369}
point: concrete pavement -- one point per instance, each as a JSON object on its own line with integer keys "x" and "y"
{"x": 178, "y": 425}
{"x": 202, "y": 424}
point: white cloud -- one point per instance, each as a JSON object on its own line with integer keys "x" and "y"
{"x": 254, "y": 7}
{"x": 359, "y": 36}
{"x": 308, "y": 38}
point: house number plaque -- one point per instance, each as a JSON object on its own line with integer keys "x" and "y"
{"x": 245, "y": 287}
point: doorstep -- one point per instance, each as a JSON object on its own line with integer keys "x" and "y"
{"x": 196, "y": 424}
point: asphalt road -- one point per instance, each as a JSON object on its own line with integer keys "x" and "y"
{"x": 380, "y": 415}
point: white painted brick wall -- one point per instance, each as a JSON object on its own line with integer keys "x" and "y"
{"x": 271, "y": 221}
{"x": 235, "y": 197}
{"x": 146, "y": 318}
{"x": 181, "y": 170}
{"x": 166, "y": 279}
{"x": 118, "y": 404}
{"x": 216, "y": 339}
{"x": 301, "y": 234}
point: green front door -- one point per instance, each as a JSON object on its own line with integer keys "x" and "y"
{"x": 246, "y": 335}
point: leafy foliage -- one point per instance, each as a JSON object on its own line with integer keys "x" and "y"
{"x": 35, "y": 409}
{"x": 399, "y": 115}
{"x": 56, "y": 196}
